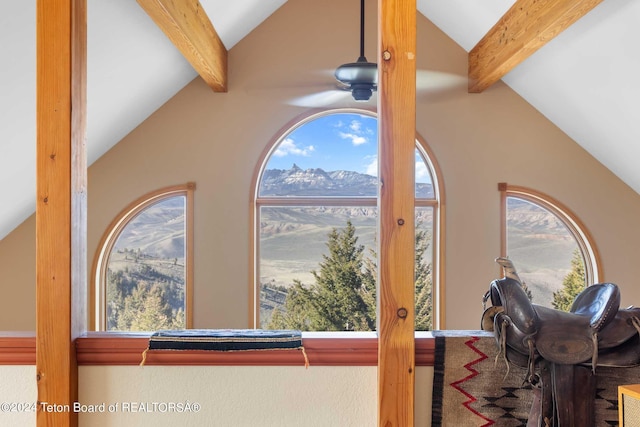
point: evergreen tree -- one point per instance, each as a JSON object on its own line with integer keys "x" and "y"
{"x": 336, "y": 301}
{"x": 572, "y": 285}
{"x": 295, "y": 314}
{"x": 147, "y": 309}
{"x": 143, "y": 299}
{"x": 343, "y": 296}
{"x": 423, "y": 283}
{"x": 119, "y": 285}
{"x": 369, "y": 284}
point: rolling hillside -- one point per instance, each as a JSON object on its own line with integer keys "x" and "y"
{"x": 293, "y": 238}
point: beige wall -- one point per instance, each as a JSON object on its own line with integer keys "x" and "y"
{"x": 18, "y": 278}
{"x": 216, "y": 140}
{"x": 243, "y": 396}
{"x": 236, "y": 396}
{"x": 18, "y": 395}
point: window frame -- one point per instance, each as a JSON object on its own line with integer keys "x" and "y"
{"x": 257, "y": 202}
{"x": 97, "y": 318}
{"x": 584, "y": 240}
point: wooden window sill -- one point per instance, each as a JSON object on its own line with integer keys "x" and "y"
{"x": 17, "y": 348}
{"x": 116, "y": 348}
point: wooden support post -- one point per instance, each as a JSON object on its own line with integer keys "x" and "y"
{"x": 60, "y": 206}
{"x": 397, "y": 132}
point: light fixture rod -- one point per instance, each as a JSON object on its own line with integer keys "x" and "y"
{"x": 361, "y": 28}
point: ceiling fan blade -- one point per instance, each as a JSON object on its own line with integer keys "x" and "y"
{"x": 325, "y": 98}
{"x": 432, "y": 85}
{"x": 428, "y": 81}
{"x": 315, "y": 79}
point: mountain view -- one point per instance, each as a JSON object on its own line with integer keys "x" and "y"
{"x": 146, "y": 270}
{"x": 296, "y": 182}
{"x": 293, "y": 238}
{"x": 157, "y": 231}
{"x": 540, "y": 246}
{"x": 149, "y": 254}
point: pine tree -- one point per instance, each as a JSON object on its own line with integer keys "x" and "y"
{"x": 147, "y": 309}
{"x": 343, "y": 296}
{"x": 295, "y": 314}
{"x": 336, "y": 301}
{"x": 572, "y": 285}
{"x": 369, "y": 284}
{"x": 144, "y": 299}
{"x": 423, "y": 283}
{"x": 119, "y": 285}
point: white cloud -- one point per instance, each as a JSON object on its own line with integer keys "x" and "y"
{"x": 372, "y": 167}
{"x": 355, "y": 139}
{"x": 422, "y": 173}
{"x": 356, "y": 134}
{"x": 288, "y": 146}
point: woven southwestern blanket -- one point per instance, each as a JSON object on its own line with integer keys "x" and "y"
{"x": 225, "y": 339}
{"x": 471, "y": 388}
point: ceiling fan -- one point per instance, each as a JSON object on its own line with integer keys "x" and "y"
{"x": 358, "y": 81}
{"x": 360, "y": 77}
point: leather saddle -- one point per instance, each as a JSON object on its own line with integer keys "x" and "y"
{"x": 596, "y": 331}
{"x": 589, "y": 333}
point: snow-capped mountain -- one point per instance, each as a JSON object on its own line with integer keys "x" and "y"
{"x": 296, "y": 182}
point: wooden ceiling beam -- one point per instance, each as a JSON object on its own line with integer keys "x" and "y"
{"x": 188, "y": 27}
{"x": 523, "y": 29}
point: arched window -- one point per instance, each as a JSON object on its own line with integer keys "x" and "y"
{"x": 552, "y": 251}
{"x": 143, "y": 269}
{"x": 315, "y": 218}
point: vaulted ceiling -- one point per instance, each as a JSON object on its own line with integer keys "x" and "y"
{"x": 582, "y": 79}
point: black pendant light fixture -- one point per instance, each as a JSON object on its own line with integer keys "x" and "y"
{"x": 360, "y": 77}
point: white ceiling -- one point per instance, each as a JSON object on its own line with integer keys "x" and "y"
{"x": 583, "y": 80}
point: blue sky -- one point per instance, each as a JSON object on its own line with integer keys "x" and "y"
{"x": 344, "y": 141}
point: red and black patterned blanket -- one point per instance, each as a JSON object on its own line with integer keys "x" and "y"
{"x": 472, "y": 388}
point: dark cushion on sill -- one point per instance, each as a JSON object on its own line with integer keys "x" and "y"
{"x": 225, "y": 339}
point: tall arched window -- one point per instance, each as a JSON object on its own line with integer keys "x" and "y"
{"x": 315, "y": 218}
{"x": 552, "y": 251}
{"x": 143, "y": 269}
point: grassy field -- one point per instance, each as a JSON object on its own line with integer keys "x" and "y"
{"x": 541, "y": 248}
{"x": 293, "y": 240}
{"x": 173, "y": 267}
